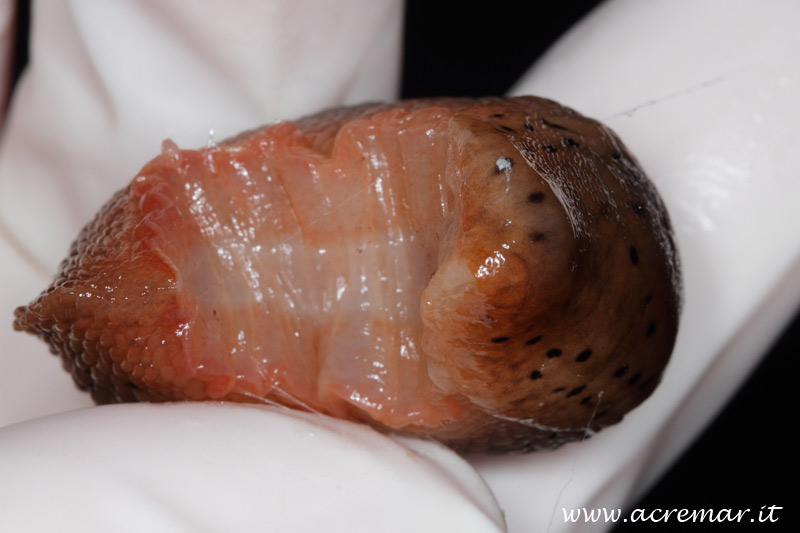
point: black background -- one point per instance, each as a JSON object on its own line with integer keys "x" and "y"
{"x": 746, "y": 458}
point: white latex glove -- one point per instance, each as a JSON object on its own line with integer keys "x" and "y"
{"x": 719, "y": 150}
{"x": 229, "y": 468}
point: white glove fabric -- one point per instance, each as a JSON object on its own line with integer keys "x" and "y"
{"x": 709, "y": 109}
{"x": 229, "y": 468}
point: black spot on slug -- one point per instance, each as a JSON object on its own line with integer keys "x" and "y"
{"x": 584, "y": 355}
{"x": 651, "y": 329}
{"x": 638, "y": 209}
{"x": 555, "y": 352}
{"x": 636, "y": 377}
{"x": 617, "y": 154}
{"x": 559, "y": 389}
{"x": 537, "y": 237}
{"x": 536, "y": 374}
{"x": 648, "y": 299}
{"x": 634, "y": 255}
{"x": 552, "y": 125}
{"x": 586, "y": 400}
{"x": 529, "y": 127}
{"x": 550, "y": 149}
{"x": 601, "y": 414}
{"x": 498, "y": 340}
{"x": 507, "y": 129}
{"x": 533, "y": 340}
{"x": 498, "y": 115}
{"x": 576, "y": 391}
{"x": 621, "y": 371}
{"x": 536, "y": 197}
{"x": 570, "y": 142}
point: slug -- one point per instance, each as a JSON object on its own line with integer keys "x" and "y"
{"x": 498, "y": 274}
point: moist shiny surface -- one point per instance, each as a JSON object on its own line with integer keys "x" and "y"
{"x": 497, "y": 273}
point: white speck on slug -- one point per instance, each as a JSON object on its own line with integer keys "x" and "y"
{"x": 503, "y": 164}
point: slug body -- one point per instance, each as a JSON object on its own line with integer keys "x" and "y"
{"x": 498, "y": 274}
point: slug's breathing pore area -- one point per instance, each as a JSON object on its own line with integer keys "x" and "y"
{"x": 498, "y": 274}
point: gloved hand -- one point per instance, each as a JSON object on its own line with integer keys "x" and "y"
{"x": 717, "y": 142}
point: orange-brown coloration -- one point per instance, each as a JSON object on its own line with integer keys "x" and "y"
{"x": 497, "y": 273}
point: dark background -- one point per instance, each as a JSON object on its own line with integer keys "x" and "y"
{"x": 746, "y": 458}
